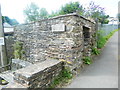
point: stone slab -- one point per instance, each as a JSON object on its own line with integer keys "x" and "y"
{"x": 58, "y": 28}
{"x": 28, "y": 72}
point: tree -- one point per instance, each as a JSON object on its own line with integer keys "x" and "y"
{"x": 96, "y": 12}
{"x": 43, "y": 13}
{"x": 32, "y": 12}
{"x": 103, "y": 19}
{"x": 53, "y": 14}
{"x": 71, "y": 8}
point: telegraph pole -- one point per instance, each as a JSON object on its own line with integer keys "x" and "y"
{"x": 3, "y": 56}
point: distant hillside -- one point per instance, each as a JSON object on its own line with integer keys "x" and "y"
{"x": 10, "y": 21}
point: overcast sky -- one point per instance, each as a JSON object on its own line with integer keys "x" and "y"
{"x": 14, "y": 8}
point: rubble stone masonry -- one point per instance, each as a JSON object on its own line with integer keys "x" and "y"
{"x": 66, "y": 37}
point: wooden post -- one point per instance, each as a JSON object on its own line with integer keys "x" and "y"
{"x": 3, "y": 60}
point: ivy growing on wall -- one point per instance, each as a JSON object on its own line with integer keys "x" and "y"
{"x": 18, "y": 50}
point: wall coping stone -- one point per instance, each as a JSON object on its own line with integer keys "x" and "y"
{"x": 31, "y": 70}
{"x": 56, "y": 17}
{"x": 22, "y": 63}
{"x": 73, "y": 14}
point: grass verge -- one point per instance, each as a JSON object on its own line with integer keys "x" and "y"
{"x": 103, "y": 39}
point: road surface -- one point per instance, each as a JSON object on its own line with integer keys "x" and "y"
{"x": 103, "y": 72}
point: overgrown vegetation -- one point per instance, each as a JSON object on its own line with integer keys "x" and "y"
{"x": 18, "y": 50}
{"x": 64, "y": 77}
{"x": 87, "y": 60}
{"x": 103, "y": 39}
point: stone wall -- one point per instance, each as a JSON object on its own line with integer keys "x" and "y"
{"x": 39, "y": 76}
{"x": 69, "y": 43}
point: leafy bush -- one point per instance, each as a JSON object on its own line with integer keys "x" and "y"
{"x": 87, "y": 60}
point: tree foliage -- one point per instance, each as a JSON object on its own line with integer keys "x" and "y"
{"x": 34, "y": 13}
{"x": 31, "y": 12}
{"x": 43, "y": 13}
{"x": 54, "y": 14}
{"x": 97, "y": 12}
{"x": 71, "y": 8}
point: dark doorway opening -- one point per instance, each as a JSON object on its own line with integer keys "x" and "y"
{"x": 86, "y": 33}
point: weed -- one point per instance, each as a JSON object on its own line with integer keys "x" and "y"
{"x": 95, "y": 51}
{"x": 87, "y": 60}
{"x": 64, "y": 76}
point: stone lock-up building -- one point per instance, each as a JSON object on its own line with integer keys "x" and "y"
{"x": 46, "y": 44}
{"x": 66, "y": 37}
